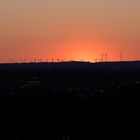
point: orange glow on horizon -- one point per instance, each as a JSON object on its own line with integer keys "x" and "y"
{"x": 68, "y": 51}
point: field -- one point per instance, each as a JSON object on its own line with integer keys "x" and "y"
{"x": 63, "y": 99}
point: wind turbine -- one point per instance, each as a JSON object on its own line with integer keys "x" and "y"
{"x": 106, "y": 57}
{"x": 121, "y": 56}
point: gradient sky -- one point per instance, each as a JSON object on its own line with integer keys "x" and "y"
{"x": 69, "y": 29}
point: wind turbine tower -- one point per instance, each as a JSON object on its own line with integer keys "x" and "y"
{"x": 105, "y": 57}
{"x": 121, "y": 56}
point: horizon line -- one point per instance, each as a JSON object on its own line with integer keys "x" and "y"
{"x": 69, "y": 61}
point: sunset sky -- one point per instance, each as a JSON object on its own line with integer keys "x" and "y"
{"x": 69, "y": 29}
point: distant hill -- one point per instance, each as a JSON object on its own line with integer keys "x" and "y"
{"x": 132, "y": 65}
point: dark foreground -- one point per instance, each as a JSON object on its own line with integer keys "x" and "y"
{"x": 69, "y": 101}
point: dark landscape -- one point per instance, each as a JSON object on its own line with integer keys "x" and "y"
{"x": 70, "y": 100}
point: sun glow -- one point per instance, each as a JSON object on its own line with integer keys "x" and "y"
{"x": 84, "y": 56}
{"x": 78, "y": 51}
